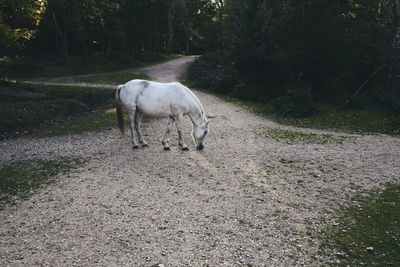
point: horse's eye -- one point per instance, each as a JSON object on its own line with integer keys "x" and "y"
{"x": 205, "y": 132}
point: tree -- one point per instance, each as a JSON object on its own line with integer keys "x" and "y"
{"x": 329, "y": 47}
{"x": 392, "y": 11}
{"x": 76, "y": 20}
{"x": 18, "y": 23}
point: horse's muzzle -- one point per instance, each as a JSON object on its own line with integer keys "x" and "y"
{"x": 200, "y": 146}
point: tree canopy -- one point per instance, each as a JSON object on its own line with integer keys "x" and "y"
{"x": 83, "y": 27}
{"x": 320, "y": 49}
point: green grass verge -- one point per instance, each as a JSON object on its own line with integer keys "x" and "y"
{"x": 294, "y": 137}
{"x": 368, "y": 234}
{"x": 331, "y": 117}
{"x": 21, "y": 179}
{"x": 116, "y": 78}
{"x": 25, "y": 109}
{"x": 27, "y": 68}
{"x": 365, "y": 120}
{"x": 96, "y": 120}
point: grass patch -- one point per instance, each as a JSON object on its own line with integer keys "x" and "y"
{"x": 118, "y": 77}
{"x": 331, "y": 117}
{"x": 26, "y": 108}
{"x": 293, "y": 137}
{"x": 360, "y": 120}
{"x": 95, "y": 120}
{"x": 368, "y": 233}
{"x": 122, "y": 76}
{"x": 21, "y": 179}
{"x": 27, "y": 68}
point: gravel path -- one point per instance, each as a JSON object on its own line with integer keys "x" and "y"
{"x": 245, "y": 199}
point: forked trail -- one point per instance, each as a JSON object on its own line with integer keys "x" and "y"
{"x": 245, "y": 199}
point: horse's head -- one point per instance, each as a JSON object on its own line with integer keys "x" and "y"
{"x": 199, "y": 134}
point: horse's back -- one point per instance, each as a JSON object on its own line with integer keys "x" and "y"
{"x": 156, "y": 99}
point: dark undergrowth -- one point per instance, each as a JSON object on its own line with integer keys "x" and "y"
{"x": 294, "y": 107}
{"x": 20, "y": 179}
{"x": 367, "y": 233}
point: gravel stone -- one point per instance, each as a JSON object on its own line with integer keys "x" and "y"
{"x": 237, "y": 202}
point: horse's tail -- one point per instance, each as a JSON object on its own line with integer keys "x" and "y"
{"x": 120, "y": 112}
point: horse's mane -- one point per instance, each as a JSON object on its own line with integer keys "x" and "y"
{"x": 194, "y": 97}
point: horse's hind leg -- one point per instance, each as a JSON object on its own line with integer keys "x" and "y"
{"x": 178, "y": 121}
{"x": 166, "y": 135}
{"x": 131, "y": 126}
{"x": 138, "y": 121}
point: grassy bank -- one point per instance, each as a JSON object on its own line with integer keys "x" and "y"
{"x": 371, "y": 120}
{"x": 293, "y": 106}
{"x": 27, "y": 68}
{"x": 20, "y": 179}
{"x": 41, "y": 110}
{"x": 367, "y": 233}
{"x": 114, "y": 78}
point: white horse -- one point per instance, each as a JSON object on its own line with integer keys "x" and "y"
{"x": 140, "y": 97}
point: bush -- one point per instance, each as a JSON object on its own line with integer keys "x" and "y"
{"x": 396, "y": 106}
{"x": 208, "y": 72}
{"x": 296, "y": 103}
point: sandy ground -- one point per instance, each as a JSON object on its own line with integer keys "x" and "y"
{"x": 245, "y": 199}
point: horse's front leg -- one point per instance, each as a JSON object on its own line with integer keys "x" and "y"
{"x": 138, "y": 121}
{"x": 131, "y": 126}
{"x": 178, "y": 121}
{"x": 166, "y": 135}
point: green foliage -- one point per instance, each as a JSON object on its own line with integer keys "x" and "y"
{"x": 20, "y": 179}
{"x": 18, "y": 23}
{"x": 296, "y": 103}
{"x": 108, "y": 27}
{"x": 112, "y": 27}
{"x": 368, "y": 233}
{"x": 330, "y": 47}
{"x": 211, "y": 75}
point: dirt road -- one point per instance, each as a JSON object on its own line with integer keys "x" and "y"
{"x": 245, "y": 199}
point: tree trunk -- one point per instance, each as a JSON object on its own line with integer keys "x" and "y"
{"x": 395, "y": 57}
{"x": 361, "y": 87}
{"x": 65, "y": 47}
{"x": 392, "y": 10}
{"x": 63, "y": 36}
{"x": 170, "y": 29}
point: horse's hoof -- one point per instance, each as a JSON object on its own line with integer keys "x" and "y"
{"x": 145, "y": 145}
{"x": 135, "y": 147}
{"x": 185, "y": 149}
{"x": 167, "y": 148}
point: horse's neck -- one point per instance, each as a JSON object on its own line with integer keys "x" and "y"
{"x": 196, "y": 112}
{"x": 197, "y": 116}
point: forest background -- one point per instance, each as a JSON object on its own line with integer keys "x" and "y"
{"x": 294, "y": 58}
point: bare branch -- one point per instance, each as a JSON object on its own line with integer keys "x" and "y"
{"x": 362, "y": 86}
